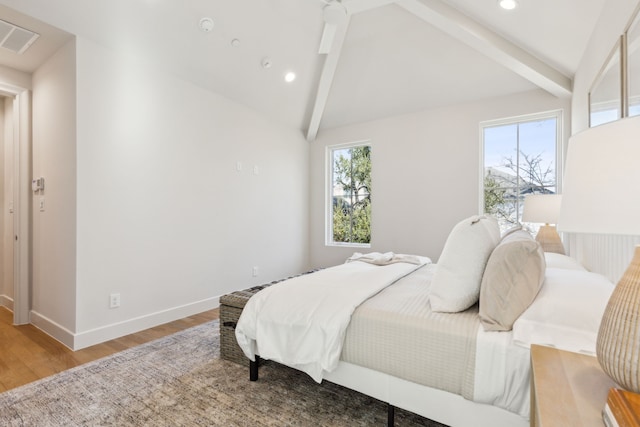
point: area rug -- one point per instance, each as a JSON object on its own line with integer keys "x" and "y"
{"x": 180, "y": 380}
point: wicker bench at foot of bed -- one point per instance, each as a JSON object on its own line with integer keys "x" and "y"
{"x": 231, "y": 306}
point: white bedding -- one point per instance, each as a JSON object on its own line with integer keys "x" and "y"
{"x": 391, "y": 333}
{"x": 502, "y": 372}
{"x": 316, "y": 309}
{"x": 501, "y": 393}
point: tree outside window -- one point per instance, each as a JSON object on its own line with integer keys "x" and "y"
{"x": 351, "y": 195}
{"x": 519, "y": 159}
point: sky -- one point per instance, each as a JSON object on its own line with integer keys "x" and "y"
{"x": 610, "y": 115}
{"x": 535, "y": 137}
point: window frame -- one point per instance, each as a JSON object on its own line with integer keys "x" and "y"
{"x": 328, "y": 197}
{"x": 552, "y": 114}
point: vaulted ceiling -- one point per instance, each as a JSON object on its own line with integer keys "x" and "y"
{"x": 386, "y": 58}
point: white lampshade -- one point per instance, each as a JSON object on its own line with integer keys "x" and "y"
{"x": 543, "y": 208}
{"x": 602, "y": 179}
{"x": 601, "y": 183}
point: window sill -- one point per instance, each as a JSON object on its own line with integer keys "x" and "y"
{"x": 348, "y": 245}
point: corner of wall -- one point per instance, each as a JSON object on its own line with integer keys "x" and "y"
{"x": 54, "y": 122}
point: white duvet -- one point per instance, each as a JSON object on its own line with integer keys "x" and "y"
{"x": 316, "y": 320}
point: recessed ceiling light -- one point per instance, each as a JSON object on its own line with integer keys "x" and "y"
{"x": 289, "y": 77}
{"x": 508, "y": 4}
{"x": 206, "y": 24}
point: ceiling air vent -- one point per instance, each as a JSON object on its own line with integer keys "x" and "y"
{"x": 14, "y": 38}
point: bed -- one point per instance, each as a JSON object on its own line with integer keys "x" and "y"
{"x": 419, "y": 337}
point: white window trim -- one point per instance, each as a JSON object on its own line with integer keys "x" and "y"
{"x": 328, "y": 172}
{"x": 557, "y": 114}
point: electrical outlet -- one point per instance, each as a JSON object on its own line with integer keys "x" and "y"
{"x": 114, "y": 300}
{"x": 255, "y": 271}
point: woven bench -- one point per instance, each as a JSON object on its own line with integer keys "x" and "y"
{"x": 231, "y": 306}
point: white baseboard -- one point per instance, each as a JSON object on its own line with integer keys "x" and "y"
{"x": 51, "y": 328}
{"x": 6, "y": 302}
{"x": 116, "y": 330}
{"x": 77, "y": 341}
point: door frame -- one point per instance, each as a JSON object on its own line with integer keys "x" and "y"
{"x": 21, "y": 201}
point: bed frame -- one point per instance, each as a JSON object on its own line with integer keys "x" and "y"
{"x": 438, "y": 405}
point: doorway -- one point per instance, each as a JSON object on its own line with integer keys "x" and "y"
{"x": 16, "y": 202}
{"x": 6, "y": 202}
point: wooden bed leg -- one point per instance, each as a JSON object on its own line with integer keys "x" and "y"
{"x": 391, "y": 412}
{"x": 253, "y": 369}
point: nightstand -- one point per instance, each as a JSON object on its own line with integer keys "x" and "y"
{"x": 567, "y": 389}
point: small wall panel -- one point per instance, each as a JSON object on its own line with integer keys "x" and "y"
{"x": 608, "y": 255}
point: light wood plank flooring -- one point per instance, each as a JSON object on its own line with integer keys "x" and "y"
{"x": 28, "y": 354}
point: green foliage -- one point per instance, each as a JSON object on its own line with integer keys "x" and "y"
{"x": 493, "y": 195}
{"x": 352, "y": 210}
{"x": 496, "y": 200}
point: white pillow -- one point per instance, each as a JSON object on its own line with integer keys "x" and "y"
{"x": 555, "y": 260}
{"x": 456, "y": 282}
{"x": 567, "y": 311}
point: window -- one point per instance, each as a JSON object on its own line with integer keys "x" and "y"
{"x": 520, "y": 157}
{"x": 349, "y": 203}
{"x": 605, "y": 96}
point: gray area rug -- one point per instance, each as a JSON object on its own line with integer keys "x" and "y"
{"x": 180, "y": 380}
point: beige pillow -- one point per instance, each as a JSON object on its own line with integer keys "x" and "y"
{"x": 513, "y": 229}
{"x": 513, "y": 276}
{"x": 456, "y": 281}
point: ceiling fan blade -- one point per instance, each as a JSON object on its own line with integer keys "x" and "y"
{"x": 326, "y": 41}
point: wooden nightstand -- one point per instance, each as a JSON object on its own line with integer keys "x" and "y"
{"x": 567, "y": 389}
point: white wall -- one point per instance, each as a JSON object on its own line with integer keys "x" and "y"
{"x": 15, "y": 78}
{"x": 164, "y": 218}
{"x": 425, "y": 173}
{"x": 54, "y": 158}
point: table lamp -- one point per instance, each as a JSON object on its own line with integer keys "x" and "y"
{"x": 544, "y": 208}
{"x": 601, "y": 195}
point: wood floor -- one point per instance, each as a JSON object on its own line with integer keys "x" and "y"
{"x": 28, "y": 354}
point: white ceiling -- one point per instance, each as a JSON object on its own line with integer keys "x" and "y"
{"x": 397, "y": 58}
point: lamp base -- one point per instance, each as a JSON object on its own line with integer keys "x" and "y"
{"x": 549, "y": 239}
{"x": 618, "y": 344}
